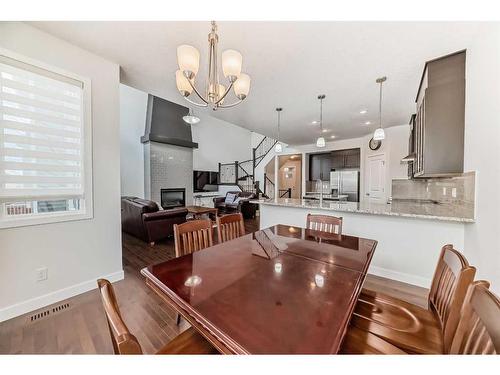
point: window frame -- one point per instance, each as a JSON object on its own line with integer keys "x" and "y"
{"x": 87, "y": 201}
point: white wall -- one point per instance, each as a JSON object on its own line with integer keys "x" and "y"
{"x": 219, "y": 142}
{"x": 133, "y": 105}
{"x": 76, "y": 253}
{"x": 482, "y": 152}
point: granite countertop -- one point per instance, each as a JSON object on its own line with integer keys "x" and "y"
{"x": 431, "y": 211}
{"x": 313, "y": 195}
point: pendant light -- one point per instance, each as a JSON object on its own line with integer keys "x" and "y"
{"x": 320, "y": 142}
{"x": 190, "y": 118}
{"x": 278, "y": 148}
{"x": 379, "y": 133}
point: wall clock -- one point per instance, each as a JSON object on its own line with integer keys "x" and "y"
{"x": 374, "y": 145}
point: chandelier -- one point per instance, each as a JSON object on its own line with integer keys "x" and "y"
{"x": 188, "y": 59}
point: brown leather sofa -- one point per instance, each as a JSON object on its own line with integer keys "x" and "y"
{"x": 143, "y": 219}
{"x": 242, "y": 205}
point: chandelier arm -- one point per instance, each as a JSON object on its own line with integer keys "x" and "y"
{"x": 194, "y": 103}
{"x": 230, "y": 105}
{"x": 223, "y": 96}
{"x": 198, "y": 93}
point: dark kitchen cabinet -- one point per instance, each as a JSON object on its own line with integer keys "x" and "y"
{"x": 320, "y": 165}
{"x": 352, "y": 158}
{"x": 440, "y": 119}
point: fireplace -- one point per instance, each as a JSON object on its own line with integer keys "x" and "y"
{"x": 174, "y": 197}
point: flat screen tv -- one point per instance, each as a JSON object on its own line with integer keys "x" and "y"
{"x": 205, "y": 181}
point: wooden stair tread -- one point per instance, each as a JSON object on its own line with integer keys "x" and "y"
{"x": 358, "y": 341}
{"x": 407, "y": 326}
{"x": 188, "y": 342}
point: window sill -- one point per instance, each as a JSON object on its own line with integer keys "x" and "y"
{"x": 49, "y": 219}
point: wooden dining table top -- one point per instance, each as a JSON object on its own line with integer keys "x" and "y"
{"x": 282, "y": 289}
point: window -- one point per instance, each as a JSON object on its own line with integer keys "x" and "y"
{"x": 45, "y": 151}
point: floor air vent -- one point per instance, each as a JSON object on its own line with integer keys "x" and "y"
{"x": 48, "y": 312}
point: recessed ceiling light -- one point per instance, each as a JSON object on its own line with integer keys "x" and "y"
{"x": 324, "y": 131}
{"x": 367, "y": 122}
{"x": 332, "y": 136}
{"x": 363, "y": 111}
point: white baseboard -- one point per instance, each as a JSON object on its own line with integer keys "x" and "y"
{"x": 400, "y": 276}
{"x": 32, "y": 304}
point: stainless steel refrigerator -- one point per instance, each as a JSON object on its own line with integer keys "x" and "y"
{"x": 345, "y": 183}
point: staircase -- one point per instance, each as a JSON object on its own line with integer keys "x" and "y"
{"x": 242, "y": 173}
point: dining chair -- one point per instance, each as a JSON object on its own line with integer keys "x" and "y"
{"x": 192, "y": 236}
{"x": 324, "y": 223}
{"x": 230, "y": 227}
{"x": 478, "y": 330}
{"x": 412, "y": 328}
{"x": 124, "y": 342}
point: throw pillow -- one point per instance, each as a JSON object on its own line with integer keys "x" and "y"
{"x": 230, "y": 197}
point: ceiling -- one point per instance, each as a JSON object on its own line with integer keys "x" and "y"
{"x": 290, "y": 63}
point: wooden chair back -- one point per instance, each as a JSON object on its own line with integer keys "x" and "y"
{"x": 324, "y": 223}
{"x": 479, "y": 329}
{"x": 230, "y": 227}
{"x": 123, "y": 341}
{"x": 452, "y": 278}
{"x": 192, "y": 236}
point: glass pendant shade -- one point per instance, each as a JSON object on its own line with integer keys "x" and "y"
{"x": 242, "y": 86}
{"x": 182, "y": 84}
{"x": 191, "y": 119}
{"x": 320, "y": 142}
{"x": 188, "y": 59}
{"x": 278, "y": 148}
{"x": 379, "y": 134}
{"x": 231, "y": 64}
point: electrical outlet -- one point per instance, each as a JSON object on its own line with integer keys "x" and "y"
{"x": 42, "y": 274}
{"x": 444, "y": 191}
{"x": 454, "y": 192}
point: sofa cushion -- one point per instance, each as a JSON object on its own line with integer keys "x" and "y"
{"x": 230, "y": 197}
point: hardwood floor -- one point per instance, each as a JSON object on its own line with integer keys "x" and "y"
{"x": 82, "y": 327}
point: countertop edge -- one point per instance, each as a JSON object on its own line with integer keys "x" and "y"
{"x": 371, "y": 212}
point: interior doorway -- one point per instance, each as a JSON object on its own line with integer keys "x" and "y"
{"x": 290, "y": 176}
{"x": 375, "y": 178}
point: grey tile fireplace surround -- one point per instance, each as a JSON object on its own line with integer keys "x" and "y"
{"x": 167, "y": 166}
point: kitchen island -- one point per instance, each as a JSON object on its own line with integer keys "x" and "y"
{"x": 410, "y": 234}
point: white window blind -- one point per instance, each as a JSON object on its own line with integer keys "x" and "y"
{"x": 41, "y": 133}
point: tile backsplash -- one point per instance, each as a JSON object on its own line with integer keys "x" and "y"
{"x": 459, "y": 189}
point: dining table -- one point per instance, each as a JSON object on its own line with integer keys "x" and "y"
{"x": 279, "y": 290}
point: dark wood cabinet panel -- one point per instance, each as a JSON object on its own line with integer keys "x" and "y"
{"x": 320, "y": 165}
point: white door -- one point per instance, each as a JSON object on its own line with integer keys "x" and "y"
{"x": 376, "y": 178}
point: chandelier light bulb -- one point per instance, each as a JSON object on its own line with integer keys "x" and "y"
{"x": 242, "y": 86}
{"x": 278, "y": 148}
{"x": 188, "y": 59}
{"x": 183, "y": 84}
{"x": 231, "y": 64}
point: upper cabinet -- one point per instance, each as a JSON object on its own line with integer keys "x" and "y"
{"x": 320, "y": 165}
{"x": 438, "y": 127}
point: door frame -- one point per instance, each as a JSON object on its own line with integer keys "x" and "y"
{"x": 367, "y": 176}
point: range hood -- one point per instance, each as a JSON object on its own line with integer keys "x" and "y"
{"x": 164, "y": 123}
